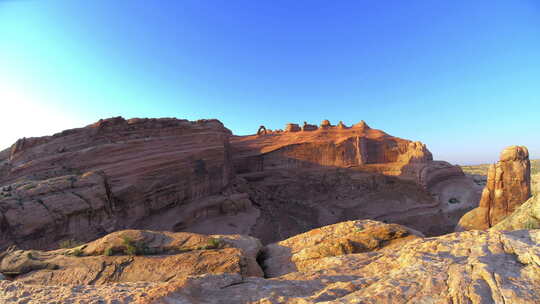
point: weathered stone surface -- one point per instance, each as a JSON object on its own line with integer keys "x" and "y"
{"x": 301, "y": 251}
{"x": 508, "y": 186}
{"x": 16, "y": 292}
{"x": 135, "y": 256}
{"x": 85, "y": 182}
{"x": 359, "y": 147}
{"x": 468, "y": 267}
{"x": 526, "y": 216}
{"x": 291, "y": 127}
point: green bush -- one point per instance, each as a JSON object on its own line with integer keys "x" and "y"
{"x": 77, "y": 252}
{"x": 213, "y": 243}
{"x": 68, "y": 244}
{"x": 108, "y": 251}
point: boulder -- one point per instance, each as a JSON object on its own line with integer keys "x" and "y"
{"x": 302, "y": 251}
{"x": 325, "y": 124}
{"x": 292, "y": 127}
{"x": 508, "y": 186}
{"x": 308, "y": 127}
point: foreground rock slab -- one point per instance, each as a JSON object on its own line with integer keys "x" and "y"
{"x": 464, "y": 267}
{"x": 468, "y": 267}
{"x": 135, "y": 256}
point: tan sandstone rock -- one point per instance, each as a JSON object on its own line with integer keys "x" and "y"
{"x": 526, "y": 216}
{"x": 301, "y": 251}
{"x": 135, "y": 256}
{"x": 469, "y": 267}
{"x": 508, "y": 186}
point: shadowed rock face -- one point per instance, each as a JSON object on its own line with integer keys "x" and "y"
{"x": 177, "y": 175}
{"x": 508, "y": 186}
{"x": 85, "y": 182}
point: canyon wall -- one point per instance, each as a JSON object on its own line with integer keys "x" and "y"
{"x": 178, "y": 175}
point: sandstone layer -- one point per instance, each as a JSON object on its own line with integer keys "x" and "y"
{"x": 508, "y": 186}
{"x": 373, "y": 263}
{"x": 86, "y": 182}
{"x": 177, "y": 175}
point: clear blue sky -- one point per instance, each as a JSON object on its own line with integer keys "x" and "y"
{"x": 461, "y": 76}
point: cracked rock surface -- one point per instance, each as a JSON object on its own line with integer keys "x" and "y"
{"x": 395, "y": 265}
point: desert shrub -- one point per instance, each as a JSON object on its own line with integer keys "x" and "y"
{"x": 77, "y": 252}
{"x": 129, "y": 246}
{"x": 530, "y": 224}
{"x": 108, "y": 251}
{"x": 68, "y": 244}
{"x": 213, "y": 243}
{"x": 136, "y": 248}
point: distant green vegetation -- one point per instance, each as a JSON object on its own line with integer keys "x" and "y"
{"x": 535, "y": 173}
{"x": 483, "y": 169}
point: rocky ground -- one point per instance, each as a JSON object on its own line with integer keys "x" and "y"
{"x": 350, "y": 262}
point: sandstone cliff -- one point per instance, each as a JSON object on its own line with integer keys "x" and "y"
{"x": 359, "y": 147}
{"x": 85, "y": 182}
{"x": 508, "y": 186}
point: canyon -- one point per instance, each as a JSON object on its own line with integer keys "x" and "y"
{"x": 176, "y": 211}
{"x": 177, "y": 175}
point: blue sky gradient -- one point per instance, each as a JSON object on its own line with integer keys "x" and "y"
{"x": 461, "y": 76}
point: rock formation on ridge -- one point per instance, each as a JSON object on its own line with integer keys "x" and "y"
{"x": 508, "y": 186}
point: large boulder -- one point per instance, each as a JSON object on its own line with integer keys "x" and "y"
{"x": 508, "y": 186}
{"x": 302, "y": 251}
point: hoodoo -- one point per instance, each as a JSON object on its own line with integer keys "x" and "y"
{"x": 508, "y": 186}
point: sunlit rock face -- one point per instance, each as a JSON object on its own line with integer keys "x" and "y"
{"x": 508, "y": 186}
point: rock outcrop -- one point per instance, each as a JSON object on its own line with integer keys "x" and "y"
{"x": 301, "y": 251}
{"x": 467, "y": 267}
{"x": 135, "y": 256}
{"x": 526, "y": 216}
{"x": 508, "y": 186}
{"x": 359, "y": 147}
{"x": 177, "y": 175}
{"x": 83, "y": 183}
